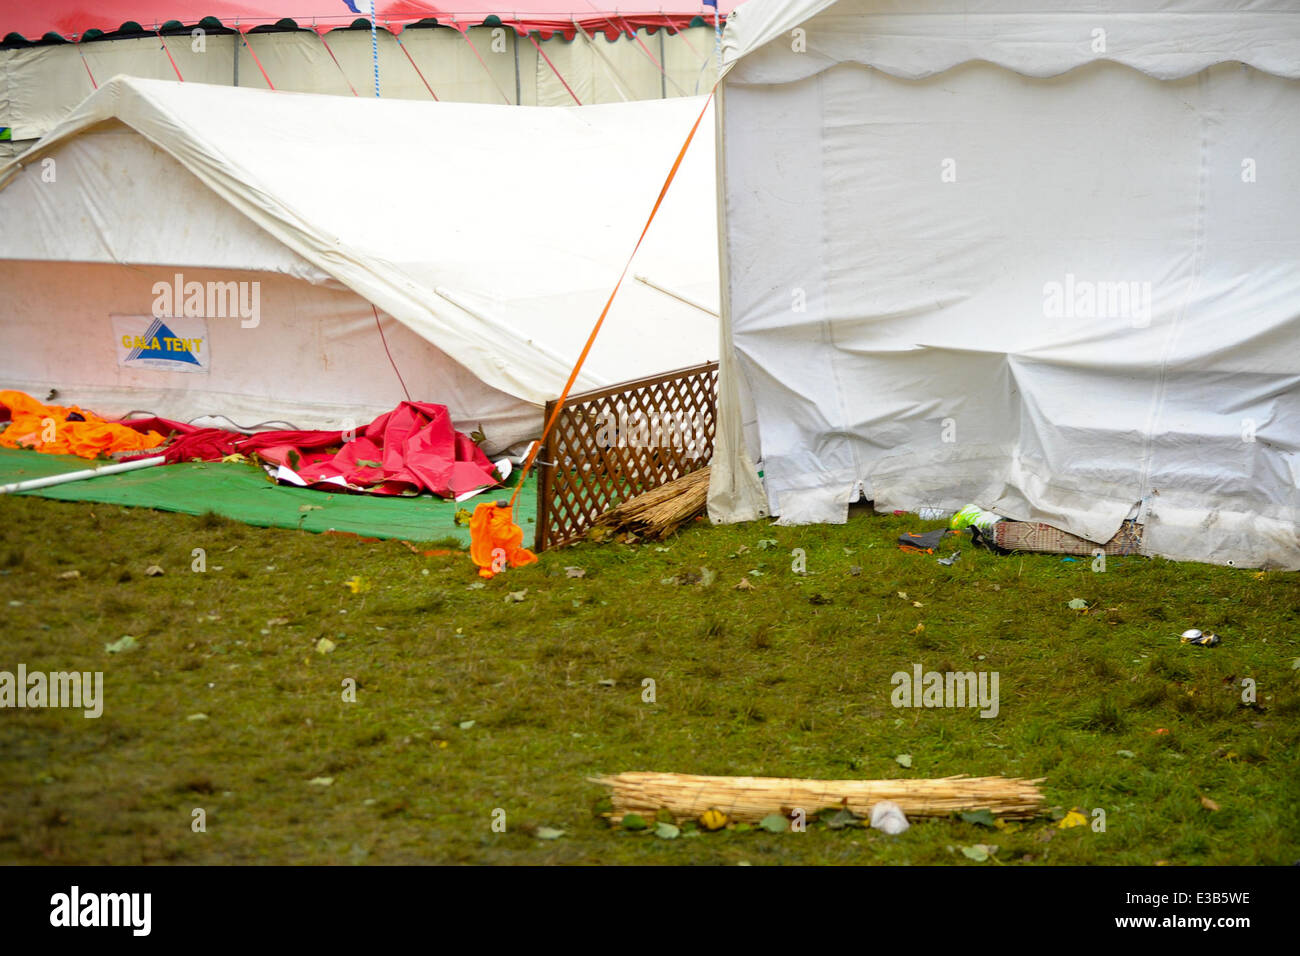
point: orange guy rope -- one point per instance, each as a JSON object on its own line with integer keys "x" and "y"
{"x": 591, "y": 339}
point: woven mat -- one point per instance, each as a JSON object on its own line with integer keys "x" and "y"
{"x": 1033, "y": 536}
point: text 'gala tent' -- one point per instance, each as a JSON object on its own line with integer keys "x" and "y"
{"x": 191, "y": 250}
{"x": 1042, "y": 259}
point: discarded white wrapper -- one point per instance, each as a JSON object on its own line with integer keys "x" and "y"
{"x": 888, "y": 817}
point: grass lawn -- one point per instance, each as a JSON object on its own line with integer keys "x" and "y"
{"x": 791, "y": 678}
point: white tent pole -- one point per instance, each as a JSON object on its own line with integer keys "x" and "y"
{"x": 69, "y": 476}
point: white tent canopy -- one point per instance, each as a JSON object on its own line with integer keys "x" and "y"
{"x": 1044, "y": 261}
{"x": 493, "y": 235}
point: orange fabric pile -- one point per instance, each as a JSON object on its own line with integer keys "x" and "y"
{"x": 496, "y": 541}
{"x": 46, "y": 428}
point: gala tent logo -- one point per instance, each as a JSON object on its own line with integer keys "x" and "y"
{"x": 166, "y": 344}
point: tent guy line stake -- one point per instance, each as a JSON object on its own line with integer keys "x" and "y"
{"x": 49, "y": 481}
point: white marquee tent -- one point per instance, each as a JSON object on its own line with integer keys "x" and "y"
{"x": 1043, "y": 259}
{"x": 492, "y": 235}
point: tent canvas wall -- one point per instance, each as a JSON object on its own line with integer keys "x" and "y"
{"x": 40, "y": 85}
{"x": 533, "y": 52}
{"x": 1047, "y": 261}
{"x": 487, "y": 237}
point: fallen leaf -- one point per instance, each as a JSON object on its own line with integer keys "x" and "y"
{"x": 1125, "y": 753}
{"x": 765, "y": 543}
{"x": 197, "y": 717}
{"x": 983, "y": 817}
{"x": 516, "y": 596}
{"x": 707, "y": 577}
{"x": 276, "y": 621}
{"x": 320, "y": 781}
{"x": 123, "y": 643}
{"x": 904, "y": 760}
{"x": 153, "y": 571}
{"x": 357, "y": 584}
{"x": 713, "y": 820}
{"x": 70, "y": 575}
{"x": 774, "y": 823}
{"x": 1208, "y": 803}
{"x": 903, "y": 595}
{"x": 917, "y": 604}
{"x": 466, "y": 724}
{"x": 744, "y": 585}
{"x": 667, "y": 831}
{"x": 1078, "y": 604}
{"x": 548, "y": 833}
{"x": 325, "y": 646}
{"x": 919, "y": 629}
{"x": 574, "y": 572}
{"x": 1072, "y": 819}
{"x": 842, "y": 818}
{"x": 979, "y": 852}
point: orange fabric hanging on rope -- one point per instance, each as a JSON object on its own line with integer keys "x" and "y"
{"x": 56, "y": 430}
{"x": 496, "y": 541}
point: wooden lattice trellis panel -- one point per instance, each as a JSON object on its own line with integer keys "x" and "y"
{"x": 613, "y": 443}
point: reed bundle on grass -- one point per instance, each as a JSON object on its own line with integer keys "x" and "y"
{"x": 750, "y": 799}
{"x": 660, "y": 511}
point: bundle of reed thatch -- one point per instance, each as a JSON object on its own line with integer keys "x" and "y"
{"x": 750, "y": 799}
{"x": 660, "y": 511}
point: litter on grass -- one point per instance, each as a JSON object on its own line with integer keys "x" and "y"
{"x": 1199, "y": 638}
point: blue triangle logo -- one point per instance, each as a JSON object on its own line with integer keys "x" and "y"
{"x": 157, "y": 329}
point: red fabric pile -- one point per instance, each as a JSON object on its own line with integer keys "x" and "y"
{"x": 412, "y": 448}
